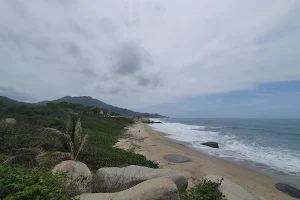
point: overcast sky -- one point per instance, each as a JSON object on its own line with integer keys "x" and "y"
{"x": 142, "y": 53}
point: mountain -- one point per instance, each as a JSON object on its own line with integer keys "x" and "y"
{"x": 10, "y": 101}
{"x": 89, "y": 101}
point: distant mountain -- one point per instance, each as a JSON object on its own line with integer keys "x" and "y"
{"x": 10, "y": 101}
{"x": 89, "y": 101}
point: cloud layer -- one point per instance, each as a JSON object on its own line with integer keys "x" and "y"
{"x": 139, "y": 53}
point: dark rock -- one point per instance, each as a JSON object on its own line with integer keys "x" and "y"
{"x": 287, "y": 189}
{"x": 211, "y": 144}
{"x": 177, "y": 158}
{"x": 153, "y": 122}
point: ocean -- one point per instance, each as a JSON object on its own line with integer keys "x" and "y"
{"x": 269, "y": 146}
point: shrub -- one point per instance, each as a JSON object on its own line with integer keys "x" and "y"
{"x": 20, "y": 183}
{"x": 207, "y": 190}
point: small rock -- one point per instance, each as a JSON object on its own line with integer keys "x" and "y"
{"x": 287, "y": 189}
{"x": 231, "y": 190}
{"x": 114, "y": 179}
{"x": 177, "y": 158}
{"x": 80, "y": 177}
{"x": 211, "y": 144}
{"x": 162, "y": 188}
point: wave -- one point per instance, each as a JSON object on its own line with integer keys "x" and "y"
{"x": 238, "y": 147}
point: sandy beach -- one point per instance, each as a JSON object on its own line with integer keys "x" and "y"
{"x": 143, "y": 140}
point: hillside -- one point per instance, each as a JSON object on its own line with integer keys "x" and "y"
{"x": 89, "y": 101}
{"x": 10, "y": 101}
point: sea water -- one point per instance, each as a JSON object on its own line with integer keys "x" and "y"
{"x": 270, "y": 146}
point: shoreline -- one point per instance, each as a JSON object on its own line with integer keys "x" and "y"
{"x": 142, "y": 139}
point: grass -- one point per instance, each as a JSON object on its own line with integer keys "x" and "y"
{"x": 99, "y": 151}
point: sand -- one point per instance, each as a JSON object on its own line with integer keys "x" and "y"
{"x": 141, "y": 139}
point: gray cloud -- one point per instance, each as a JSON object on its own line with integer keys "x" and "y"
{"x": 107, "y": 26}
{"x": 72, "y": 49}
{"x": 140, "y": 49}
{"x": 144, "y": 81}
{"x": 130, "y": 58}
{"x": 88, "y": 72}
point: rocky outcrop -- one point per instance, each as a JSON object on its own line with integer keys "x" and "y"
{"x": 162, "y": 188}
{"x": 51, "y": 159}
{"x": 211, "y": 144}
{"x": 177, "y": 158}
{"x": 116, "y": 179}
{"x": 287, "y": 189}
{"x": 8, "y": 121}
{"x": 80, "y": 177}
{"x": 231, "y": 190}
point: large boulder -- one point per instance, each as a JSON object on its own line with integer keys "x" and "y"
{"x": 114, "y": 179}
{"x": 231, "y": 190}
{"x": 211, "y": 144}
{"x": 50, "y": 159}
{"x": 8, "y": 121}
{"x": 79, "y": 177}
{"x": 162, "y": 188}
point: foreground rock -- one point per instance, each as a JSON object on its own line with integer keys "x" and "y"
{"x": 8, "y": 121}
{"x": 231, "y": 190}
{"x": 287, "y": 189}
{"x": 211, "y": 144}
{"x": 162, "y": 188}
{"x": 80, "y": 177}
{"x": 177, "y": 158}
{"x": 116, "y": 179}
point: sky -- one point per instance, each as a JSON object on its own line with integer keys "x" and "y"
{"x": 199, "y": 58}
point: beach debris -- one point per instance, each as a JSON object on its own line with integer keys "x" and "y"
{"x": 79, "y": 177}
{"x": 211, "y": 144}
{"x": 154, "y": 189}
{"x": 177, "y": 158}
{"x": 114, "y": 179}
{"x": 231, "y": 190}
{"x": 287, "y": 189}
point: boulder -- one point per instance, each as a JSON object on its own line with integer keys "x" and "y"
{"x": 116, "y": 179}
{"x": 9, "y": 121}
{"x": 162, "y": 188}
{"x": 211, "y": 144}
{"x": 287, "y": 189}
{"x": 79, "y": 177}
{"x": 177, "y": 158}
{"x": 231, "y": 190}
{"x": 51, "y": 159}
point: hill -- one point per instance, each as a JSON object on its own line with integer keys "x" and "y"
{"x": 10, "y": 101}
{"x": 89, "y": 101}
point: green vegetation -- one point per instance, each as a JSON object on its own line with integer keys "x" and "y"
{"x": 23, "y": 142}
{"x": 99, "y": 151}
{"x": 207, "y": 190}
{"x": 20, "y": 183}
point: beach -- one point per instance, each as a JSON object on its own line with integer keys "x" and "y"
{"x": 142, "y": 139}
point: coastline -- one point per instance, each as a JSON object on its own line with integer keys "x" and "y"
{"x": 142, "y": 139}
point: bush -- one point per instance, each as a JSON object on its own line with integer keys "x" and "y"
{"x": 99, "y": 150}
{"x": 207, "y": 190}
{"x": 20, "y": 183}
